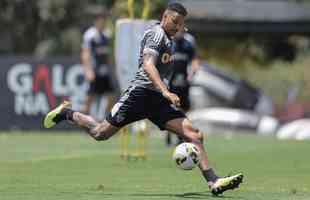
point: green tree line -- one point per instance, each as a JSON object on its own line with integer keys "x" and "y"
{"x": 55, "y": 27}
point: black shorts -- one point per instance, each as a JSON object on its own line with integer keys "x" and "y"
{"x": 139, "y": 103}
{"x": 101, "y": 85}
{"x": 183, "y": 94}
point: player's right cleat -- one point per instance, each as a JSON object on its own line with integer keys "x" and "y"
{"x": 54, "y": 117}
{"x": 226, "y": 183}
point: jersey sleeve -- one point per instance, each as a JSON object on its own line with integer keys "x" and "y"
{"x": 87, "y": 38}
{"x": 153, "y": 41}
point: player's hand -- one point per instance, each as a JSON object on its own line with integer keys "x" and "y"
{"x": 89, "y": 75}
{"x": 173, "y": 98}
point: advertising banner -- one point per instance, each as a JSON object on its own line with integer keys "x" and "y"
{"x": 30, "y": 88}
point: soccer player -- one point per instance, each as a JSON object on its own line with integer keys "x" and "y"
{"x": 149, "y": 97}
{"x": 185, "y": 63}
{"x": 96, "y": 61}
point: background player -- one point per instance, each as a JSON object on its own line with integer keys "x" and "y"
{"x": 148, "y": 97}
{"x": 185, "y": 64}
{"x": 97, "y": 63}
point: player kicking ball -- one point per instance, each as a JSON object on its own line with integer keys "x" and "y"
{"x": 148, "y": 97}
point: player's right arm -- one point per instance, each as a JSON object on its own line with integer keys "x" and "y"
{"x": 86, "y": 63}
{"x": 86, "y": 58}
{"x": 149, "y": 61}
{"x": 150, "y": 56}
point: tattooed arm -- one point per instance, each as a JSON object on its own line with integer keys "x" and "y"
{"x": 149, "y": 61}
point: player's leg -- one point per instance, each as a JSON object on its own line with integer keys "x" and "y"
{"x": 99, "y": 131}
{"x": 106, "y": 87}
{"x": 185, "y": 105}
{"x": 183, "y": 94}
{"x": 92, "y": 92}
{"x": 184, "y": 128}
{"x": 128, "y": 109}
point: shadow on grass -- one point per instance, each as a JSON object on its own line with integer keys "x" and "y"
{"x": 189, "y": 195}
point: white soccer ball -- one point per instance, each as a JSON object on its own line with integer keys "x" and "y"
{"x": 186, "y": 156}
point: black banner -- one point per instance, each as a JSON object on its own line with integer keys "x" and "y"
{"x": 30, "y": 88}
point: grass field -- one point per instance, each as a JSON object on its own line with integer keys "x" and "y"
{"x": 73, "y": 167}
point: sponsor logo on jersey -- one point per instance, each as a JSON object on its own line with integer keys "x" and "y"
{"x": 166, "y": 58}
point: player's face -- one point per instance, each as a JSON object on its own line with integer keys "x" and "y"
{"x": 99, "y": 23}
{"x": 173, "y": 23}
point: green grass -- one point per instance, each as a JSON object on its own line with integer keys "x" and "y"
{"x": 58, "y": 166}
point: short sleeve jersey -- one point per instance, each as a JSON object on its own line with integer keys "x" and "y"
{"x": 99, "y": 45}
{"x": 184, "y": 51}
{"x": 155, "y": 41}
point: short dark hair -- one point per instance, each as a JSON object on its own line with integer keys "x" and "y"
{"x": 177, "y": 7}
{"x": 99, "y": 16}
{"x": 98, "y": 13}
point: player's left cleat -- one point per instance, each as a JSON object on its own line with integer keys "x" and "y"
{"x": 53, "y": 117}
{"x": 226, "y": 183}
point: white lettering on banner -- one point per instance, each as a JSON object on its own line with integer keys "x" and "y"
{"x": 33, "y": 97}
{"x": 19, "y": 78}
{"x": 73, "y": 74}
{"x": 31, "y": 104}
{"x": 40, "y": 102}
{"x": 68, "y": 85}
{"x": 58, "y": 87}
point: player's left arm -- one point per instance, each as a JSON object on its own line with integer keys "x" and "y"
{"x": 195, "y": 60}
{"x": 194, "y": 67}
{"x": 86, "y": 57}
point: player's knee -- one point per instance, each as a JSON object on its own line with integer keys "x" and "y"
{"x": 200, "y": 136}
{"x": 103, "y": 131}
{"x": 196, "y": 136}
{"x": 101, "y": 136}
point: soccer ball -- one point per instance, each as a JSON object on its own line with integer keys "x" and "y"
{"x": 186, "y": 156}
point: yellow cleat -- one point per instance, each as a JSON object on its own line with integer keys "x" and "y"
{"x": 50, "y": 119}
{"x": 226, "y": 183}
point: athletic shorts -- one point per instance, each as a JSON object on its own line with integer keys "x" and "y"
{"x": 139, "y": 103}
{"x": 101, "y": 85}
{"x": 183, "y": 94}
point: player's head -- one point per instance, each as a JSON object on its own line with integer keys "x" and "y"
{"x": 173, "y": 18}
{"x": 99, "y": 19}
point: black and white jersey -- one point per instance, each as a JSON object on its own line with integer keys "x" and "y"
{"x": 184, "y": 51}
{"x": 98, "y": 43}
{"x": 155, "y": 41}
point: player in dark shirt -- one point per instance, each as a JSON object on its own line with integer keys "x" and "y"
{"x": 185, "y": 63}
{"x": 148, "y": 97}
{"x": 96, "y": 61}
